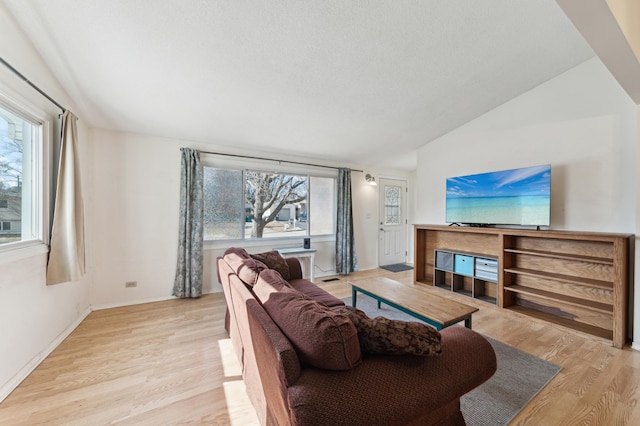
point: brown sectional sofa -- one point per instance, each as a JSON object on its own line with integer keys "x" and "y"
{"x": 373, "y": 390}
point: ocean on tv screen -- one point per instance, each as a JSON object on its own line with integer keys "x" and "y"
{"x": 510, "y": 210}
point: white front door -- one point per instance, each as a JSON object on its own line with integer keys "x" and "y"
{"x": 393, "y": 222}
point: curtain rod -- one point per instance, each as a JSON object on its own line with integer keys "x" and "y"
{"x": 279, "y": 161}
{"x": 19, "y": 74}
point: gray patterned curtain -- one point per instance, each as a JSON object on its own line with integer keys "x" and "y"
{"x": 346, "y": 260}
{"x": 188, "y": 282}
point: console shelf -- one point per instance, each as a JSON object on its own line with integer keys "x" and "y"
{"x": 587, "y": 304}
{"x": 577, "y": 279}
{"x": 561, "y": 277}
{"x": 562, "y": 256}
{"x": 565, "y": 322}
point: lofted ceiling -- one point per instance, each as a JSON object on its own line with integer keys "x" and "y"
{"x": 365, "y": 82}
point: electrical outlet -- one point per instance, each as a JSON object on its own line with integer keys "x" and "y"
{"x": 130, "y": 284}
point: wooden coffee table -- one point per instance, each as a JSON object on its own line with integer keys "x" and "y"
{"x": 423, "y": 302}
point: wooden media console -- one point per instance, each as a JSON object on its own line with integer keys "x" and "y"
{"x": 577, "y": 279}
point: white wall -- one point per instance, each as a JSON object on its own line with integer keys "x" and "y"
{"x": 34, "y": 317}
{"x": 135, "y": 219}
{"x": 365, "y": 227}
{"x": 636, "y": 292}
{"x": 582, "y": 123}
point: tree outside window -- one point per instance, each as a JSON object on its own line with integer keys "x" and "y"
{"x": 244, "y": 204}
{"x": 267, "y": 194}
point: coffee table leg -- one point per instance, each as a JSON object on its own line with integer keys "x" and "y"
{"x": 353, "y": 296}
{"x": 467, "y": 322}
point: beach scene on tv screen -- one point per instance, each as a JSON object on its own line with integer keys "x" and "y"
{"x": 509, "y": 197}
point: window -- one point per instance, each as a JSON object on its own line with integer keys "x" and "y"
{"x": 223, "y": 216}
{"x": 250, "y": 204}
{"x": 21, "y": 184}
{"x": 322, "y": 196}
{"x": 392, "y": 199}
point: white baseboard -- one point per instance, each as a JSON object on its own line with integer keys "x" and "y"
{"x": 139, "y": 301}
{"x": 130, "y": 303}
{"x": 635, "y": 346}
{"x": 8, "y": 387}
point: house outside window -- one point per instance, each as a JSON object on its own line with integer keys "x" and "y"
{"x": 22, "y": 215}
{"x": 243, "y": 204}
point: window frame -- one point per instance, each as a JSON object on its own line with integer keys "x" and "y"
{"x": 244, "y": 165}
{"x": 42, "y": 170}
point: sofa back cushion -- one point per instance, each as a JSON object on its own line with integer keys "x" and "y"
{"x": 295, "y": 268}
{"x": 246, "y": 267}
{"x": 321, "y": 337}
{"x": 274, "y": 260}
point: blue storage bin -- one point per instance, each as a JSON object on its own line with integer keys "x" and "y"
{"x": 463, "y": 265}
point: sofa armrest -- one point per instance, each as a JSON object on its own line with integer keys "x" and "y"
{"x": 395, "y": 389}
{"x": 272, "y": 365}
{"x": 295, "y": 269}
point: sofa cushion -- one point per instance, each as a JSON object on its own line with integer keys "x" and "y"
{"x": 385, "y": 336}
{"x": 246, "y": 267}
{"x": 315, "y": 292}
{"x": 274, "y": 260}
{"x": 323, "y": 338}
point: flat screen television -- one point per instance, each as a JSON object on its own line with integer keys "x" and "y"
{"x": 507, "y": 197}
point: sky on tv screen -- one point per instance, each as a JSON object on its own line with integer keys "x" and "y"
{"x": 507, "y": 183}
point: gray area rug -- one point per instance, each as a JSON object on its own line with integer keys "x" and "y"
{"x": 518, "y": 379}
{"x": 397, "y": 267}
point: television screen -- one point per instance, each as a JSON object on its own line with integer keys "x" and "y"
{"x": 508, "y": 197}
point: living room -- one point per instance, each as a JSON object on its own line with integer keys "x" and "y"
{"x": 582, "y": 121}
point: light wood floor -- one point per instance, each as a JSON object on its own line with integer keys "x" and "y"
{"x": 171, "y": 363}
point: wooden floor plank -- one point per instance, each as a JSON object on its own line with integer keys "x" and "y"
{"x": 171, "y": 362}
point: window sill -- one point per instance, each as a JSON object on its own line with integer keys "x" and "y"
{"x": 264, "y": 242}
{"x": 22, "y": 250}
